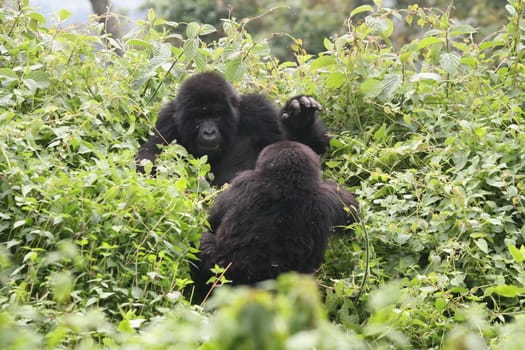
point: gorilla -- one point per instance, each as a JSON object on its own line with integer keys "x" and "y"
{"x": 208, "y": 117}
{"x": 273, "y": 219}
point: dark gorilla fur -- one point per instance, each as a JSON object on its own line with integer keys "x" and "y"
{"x": 208, "y": 117}
{"x": 273, "y": 219}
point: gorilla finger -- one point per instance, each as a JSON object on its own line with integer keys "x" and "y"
{"x": 316, "y": 104}
{"x": 295, "y": 106}
{"x": 285, "y": 116}
{"x": 305, "y": 101}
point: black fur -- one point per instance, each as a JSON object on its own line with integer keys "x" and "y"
{"x": 273, "y": 219}
{"x": 208, "y": 117}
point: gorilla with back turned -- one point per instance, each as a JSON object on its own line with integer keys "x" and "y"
{"x": 273, "y": 219}
{"x": 208, "y": 117}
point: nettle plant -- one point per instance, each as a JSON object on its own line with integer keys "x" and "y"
{"x": 432, "y": 133}
{"x": 429, "y": 134}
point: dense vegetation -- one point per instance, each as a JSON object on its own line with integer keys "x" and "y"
{"x": 312, "y": 20}
{"x": 430, "y": 136}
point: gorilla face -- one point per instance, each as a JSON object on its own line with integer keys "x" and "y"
{"x": 207, "y": 115}
{"x": 207, "y": 134}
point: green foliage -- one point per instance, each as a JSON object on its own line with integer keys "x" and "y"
{"x": 430, "y": 136}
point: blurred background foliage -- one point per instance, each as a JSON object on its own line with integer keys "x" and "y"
{"x": 281, "y": 22}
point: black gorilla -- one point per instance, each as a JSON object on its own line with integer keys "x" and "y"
{"x": 273, "y": 219}
{"x": 208, "y": 117}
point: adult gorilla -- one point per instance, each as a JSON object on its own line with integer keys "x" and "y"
{"x": 208, "y": 117}
{"x": 273, "y": 219}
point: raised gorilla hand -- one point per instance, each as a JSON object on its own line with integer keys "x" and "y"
{"x": 299, "y": 112}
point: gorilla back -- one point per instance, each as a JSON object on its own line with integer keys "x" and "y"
{"x": 273, "y": 219}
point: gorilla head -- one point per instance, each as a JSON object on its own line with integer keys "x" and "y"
{"x": 290, "y": 163}
{"x": 206, "y": 114}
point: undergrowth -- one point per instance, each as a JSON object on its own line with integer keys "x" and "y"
{"x": 430, "y": 136}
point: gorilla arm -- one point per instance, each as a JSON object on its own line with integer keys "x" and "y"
{"x": 342, "y": 204}
{"x": 164, "y": 133}
{"x": 301, "y": 123}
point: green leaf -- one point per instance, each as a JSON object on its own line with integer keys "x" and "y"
{"x": 124, "y": 326}
{"x": 38, "y": 79}
{"x": 181, "y": 184}
{"x": 151, "y": 15}
{"x": 64, "y": 14}
{"x": 425, "y": 76}
{"x": 361, "y": 9}
{"x": 371, "y": 88}
{"x": 190, "y": 48}
{"x": 382, "y": 26}
{"x": 511, "y": 10}
{"x": 428, "y": 41}
{"x": 462, "y": 29}
{"x": 329, "y": 45}
{"x": 449, "y": 62}
{"x": 235, "y": 69}
{"x": 323, "y": 61}
{"x": 505, "y": 290}
{"x": 192, "y": 30}
{"x": 38, "y": 17}
{"x": 391, "y": 84}
{"x": 8, "y": 75}
{"x": 495, "y": 182}
{"x": 440, "y": 304}
{"x": 335, "y": 80}
{"x": 139, "y": 43}
{"x": 517, "y": 254}
{"x": 206, "y": 29}
{"x": 482, "y": 245}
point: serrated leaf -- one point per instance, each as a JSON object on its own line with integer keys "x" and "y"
{"x": 181, "y": 184}
{"x": 190, "y": 48}
{"x": 151, "y": 15}
{"x": 64, "y": 14}
{"x": 504, "y": 290}
{"x": 161, "y": 54}
{"x": 462, "y": 29}
{"x": 19, "y": 223}
{"x": 391, "y": 83}
{"x": 138, "y": 42}
{"x": 428, "y": 41}
{"x": 8, "y": 75}
{"x": 40, "y": 78}
{"x": 335, "y": 80}
{"x": 235, "y": 69}
{"x": 329, "y": 45}
{"x": 371, "y": 88}
{"x": 495, "y": 182}
{"x": 517, "y": 254}
{"x": 482, "y": 245}
{"x": 425, "y": 76}
{"x": 200, "y": 60}
{"x": 361, "y": 9}
{"x": 206, "y": 29}
{"x": 323, "y": 61}
{"x": 382, "y": 26}
{"x": 511, "y": 10}
{"x": 449, "y": 62}
{"x": 38, "y": 17}
{"x": 192, "y": 29}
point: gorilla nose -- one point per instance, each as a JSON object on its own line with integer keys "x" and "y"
{"x": 209, "y": 134}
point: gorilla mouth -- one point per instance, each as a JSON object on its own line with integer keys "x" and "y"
{"x": 209, "y": 148}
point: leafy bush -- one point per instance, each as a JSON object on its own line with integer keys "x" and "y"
{"x": 429, "y": 136}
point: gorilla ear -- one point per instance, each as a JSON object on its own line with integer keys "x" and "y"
{"x": 235, "y": 101}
